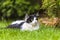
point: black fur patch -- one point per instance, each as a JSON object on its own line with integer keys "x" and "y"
{"x": 31, "y": 18}
{"x": 16, "y": 25}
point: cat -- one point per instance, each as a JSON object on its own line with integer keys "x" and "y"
{"x": 29, "y": 23}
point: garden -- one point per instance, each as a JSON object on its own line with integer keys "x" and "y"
{"x": 49, "y": 19}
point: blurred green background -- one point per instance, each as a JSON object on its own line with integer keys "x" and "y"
{"x": 14, "y": 9}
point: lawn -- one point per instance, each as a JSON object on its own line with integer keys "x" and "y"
{"x": 43, "y": 33}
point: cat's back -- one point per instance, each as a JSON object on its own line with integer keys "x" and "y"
{"x": 18, "y": 22}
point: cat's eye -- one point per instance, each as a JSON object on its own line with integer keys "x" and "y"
{"x": 31, "y": 19}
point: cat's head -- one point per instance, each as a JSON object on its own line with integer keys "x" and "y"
{"x": 32, "y": 18}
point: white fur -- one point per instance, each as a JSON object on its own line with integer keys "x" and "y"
{"x": 30, "y": 27}
{"x": 18, "y": 22}
{"x": 34, "y": 25}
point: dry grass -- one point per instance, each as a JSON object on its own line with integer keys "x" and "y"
{"x": 49, "y": 21}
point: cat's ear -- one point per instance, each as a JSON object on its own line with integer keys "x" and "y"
{"x": 37, "y": 14}
{"x": 26, "y": 16}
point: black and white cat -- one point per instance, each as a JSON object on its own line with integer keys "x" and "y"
{"x": 30, "y": 23}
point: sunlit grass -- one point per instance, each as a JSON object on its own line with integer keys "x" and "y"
{"x": 42, "y": 34}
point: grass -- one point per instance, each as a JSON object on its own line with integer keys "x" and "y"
{"x": 43, "y": 33}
